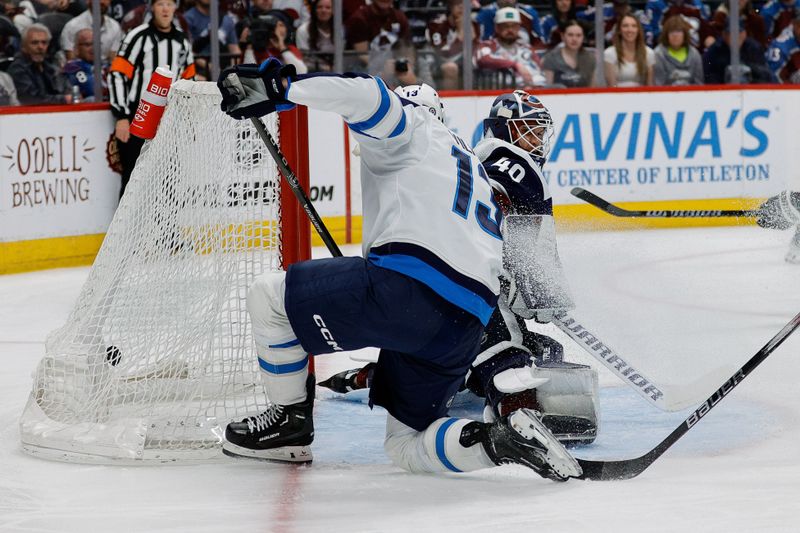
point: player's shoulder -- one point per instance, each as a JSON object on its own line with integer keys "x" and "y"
{"x": 138, "y": 31}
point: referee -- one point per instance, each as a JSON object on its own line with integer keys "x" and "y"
{"x": 144, "y": 48}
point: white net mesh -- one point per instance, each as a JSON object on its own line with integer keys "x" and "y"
{"x": 157, "y": 356}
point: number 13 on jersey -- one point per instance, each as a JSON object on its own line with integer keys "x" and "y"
{"x": 463, "y": 197}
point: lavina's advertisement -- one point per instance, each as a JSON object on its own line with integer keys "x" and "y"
{"x": 55, "y": 178}
{"x": 661, "y": 145}
{"x": 631, "y": 146}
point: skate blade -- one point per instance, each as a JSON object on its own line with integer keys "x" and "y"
{"x": 557, "y": 456}
{"x": 285, "y": 454}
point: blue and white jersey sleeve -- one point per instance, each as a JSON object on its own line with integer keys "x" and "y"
{"x": 513, "y": 173}
{"x": 366, "y": 104}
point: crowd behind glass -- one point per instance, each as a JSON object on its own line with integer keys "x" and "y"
{"x": 47, "y": 53}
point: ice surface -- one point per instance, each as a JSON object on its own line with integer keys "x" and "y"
{"x": 684, "y": 303}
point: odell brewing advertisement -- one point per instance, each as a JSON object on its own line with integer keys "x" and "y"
{"x": 55, "y": 178}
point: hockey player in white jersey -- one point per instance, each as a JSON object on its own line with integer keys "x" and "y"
{"x": 782, "y": 212}
{"x": 517, "y": 367}
{"x": 426, "y": 287}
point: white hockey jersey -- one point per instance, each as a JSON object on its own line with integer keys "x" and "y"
{"x": 427, "y": 204}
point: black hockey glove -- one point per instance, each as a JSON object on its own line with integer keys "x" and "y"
{"x": 250, "y": 91}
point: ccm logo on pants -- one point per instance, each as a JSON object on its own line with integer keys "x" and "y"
{"x": 326, "y": 333}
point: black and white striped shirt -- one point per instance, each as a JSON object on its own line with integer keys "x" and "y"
{"x": 143, "y": 50}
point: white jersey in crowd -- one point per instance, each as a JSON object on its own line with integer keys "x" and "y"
{"x": 427, "y": 205}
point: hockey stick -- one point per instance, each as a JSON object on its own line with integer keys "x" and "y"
{"x": 622, "y": 367}
{"x": 297, "y": 189}
{"x": 612, "y": 209}
{"x": 630, "y": 468}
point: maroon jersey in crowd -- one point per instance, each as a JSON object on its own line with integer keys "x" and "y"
{"x": 491, "y": 55}
{"x": 381, "y": 29}
{"x": 444, "y": 37}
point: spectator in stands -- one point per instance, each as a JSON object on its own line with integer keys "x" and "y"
{"x": 530, "y": 25}
{"x": 552, "y": 24}
{"x": 693, "y": 11}
{"x": 199, "y": 19}
{"x": 778, "y": 15}
{"x": 628, "y": 61}
{"x": 756, "y": 27}
{"x": 30, "y": 11}
{"x": 37, "y": 80}
{"x": 381, "y": 36}
{"x": 657, "y": 11}
{"x": 296, "y": 10}
{"x": 9, "y": 39}
{"x": 677, "y": 62}
{"x": 612, "y": 12}
{"x": 783, "y": 55}
{"x": 142, "y": 14}
{"x": 120, "y": 8}
{"x": 717, "y": 59}
{"x": 504, "y": 51}
{"x": 110, "y": 32}
{"x": 570, "y": 64}
{"x": 8, "y": 93}
{"x": 419, "y": 13}
{"x": 268, "y": 35}
{"x": 446, "y": 36}
{"x": 79, "y": 71}
{"x": 157, "y": 43}
{"x": 315, "y": 37}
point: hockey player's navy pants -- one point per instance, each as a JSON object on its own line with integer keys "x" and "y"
{"x": 427, "y": 344}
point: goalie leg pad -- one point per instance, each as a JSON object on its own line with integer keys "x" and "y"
{"x": 568, "y": 401}
{"x": 283, "y": 361}
{"x": 439, "y": 448}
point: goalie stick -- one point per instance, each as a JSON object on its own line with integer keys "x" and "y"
{"x": 622, "y": 368}
{"x": 630, "y": 468}
{"x": 612, "y": 209}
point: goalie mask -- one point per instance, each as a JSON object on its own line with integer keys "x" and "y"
{"x": 521, "y": 119}
{"x": 423, "y": 95}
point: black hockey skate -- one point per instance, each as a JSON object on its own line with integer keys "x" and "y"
{"x": 282, "y": 433}
{"x": 521, "y": 438}
{"x": 350, "y": 380}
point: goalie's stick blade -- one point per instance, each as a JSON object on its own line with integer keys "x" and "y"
{"x": 629, "y": 468}
{"x": 611, "y": 209}
{"x": 678, "y": 398}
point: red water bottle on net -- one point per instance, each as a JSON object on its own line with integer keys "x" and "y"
{"x": 152, "y": 104}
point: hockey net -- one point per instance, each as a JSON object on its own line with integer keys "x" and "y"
{"x": 157, "y": 355}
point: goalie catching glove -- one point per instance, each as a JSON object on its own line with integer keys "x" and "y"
{"x": 537, "y": 286}
{"x": 251, "y": 91}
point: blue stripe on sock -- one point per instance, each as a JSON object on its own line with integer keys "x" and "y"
{"x": 289, "y": 344}
{"x": 285, "y": 368}
{"x": 440, "y": 433}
